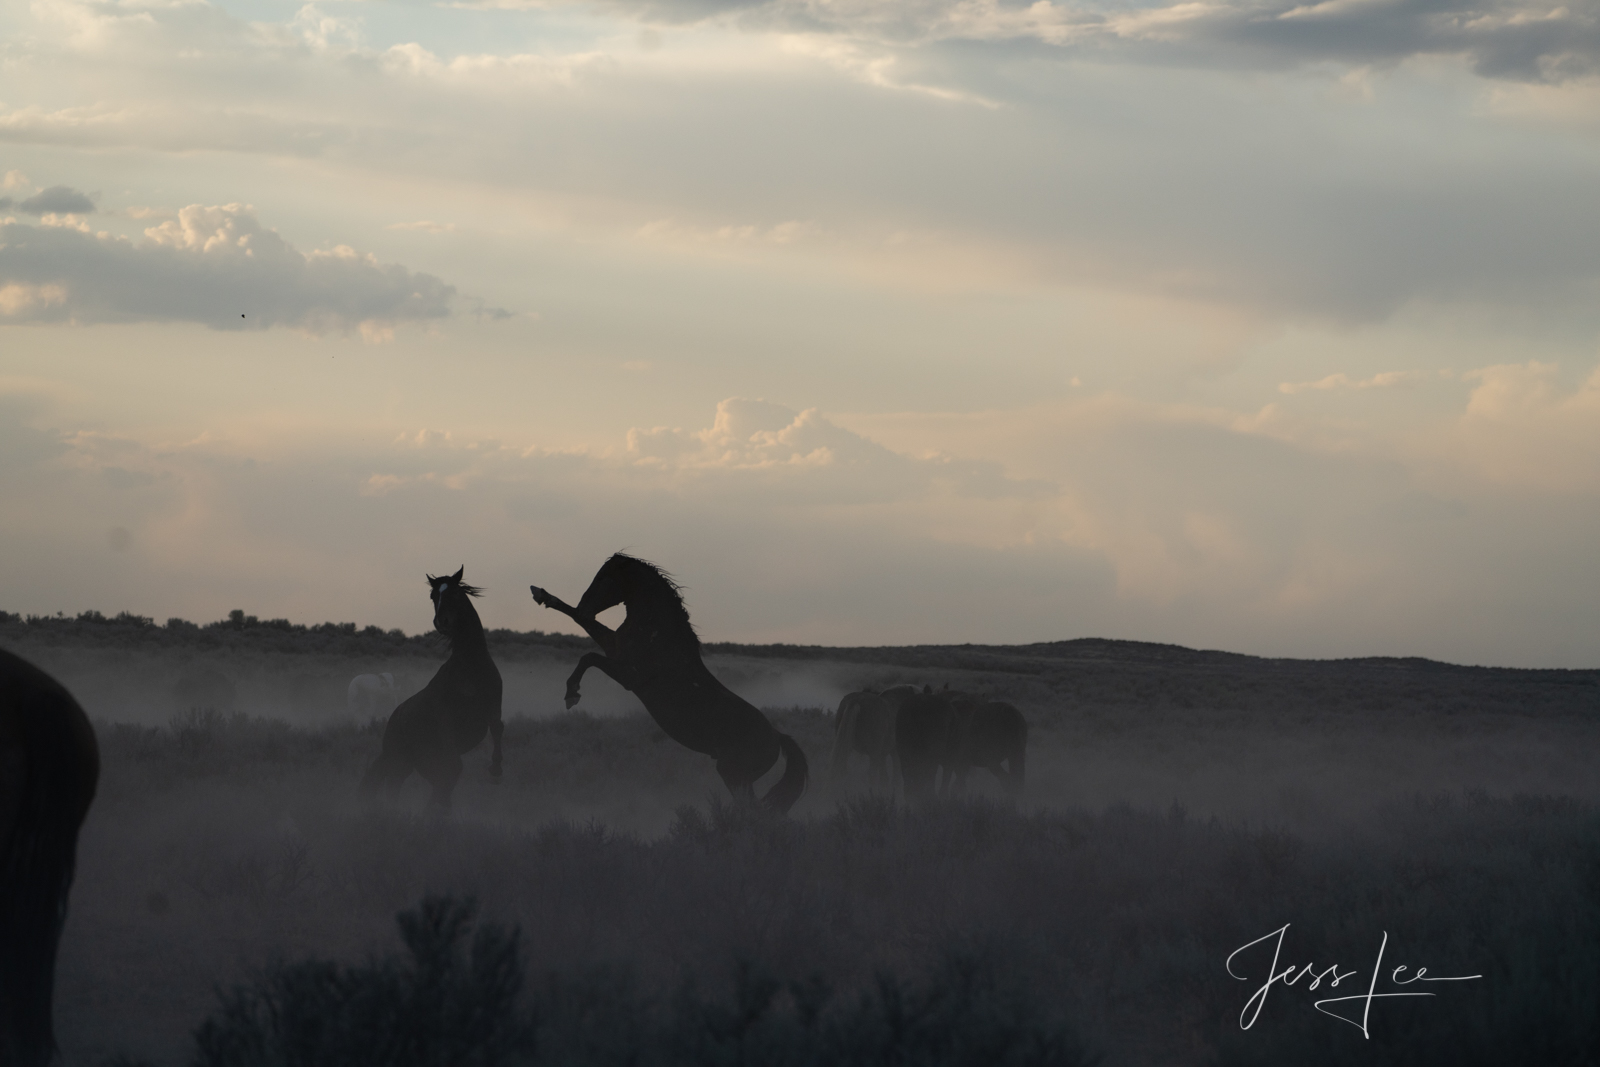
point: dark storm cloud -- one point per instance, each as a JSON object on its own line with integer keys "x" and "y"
{"x": 56, "y": 200}
{"x": 215, "y": 266}
{"x": 1512, "y": 39}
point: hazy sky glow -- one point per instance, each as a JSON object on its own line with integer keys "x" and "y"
{"x": 1264, "y": 326}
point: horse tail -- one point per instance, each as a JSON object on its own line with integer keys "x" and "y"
{"x": 61, "y": 770}
{"x": 782, "y": 796}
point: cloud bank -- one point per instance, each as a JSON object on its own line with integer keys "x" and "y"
{"x": 1525, "y": 40}
{"x": 1111, "y": 517}
{"x": 217, "y": 266}
{"x": 967, "y": 144}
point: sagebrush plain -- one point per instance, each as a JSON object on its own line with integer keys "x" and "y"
{"x": 1180, "y": 805}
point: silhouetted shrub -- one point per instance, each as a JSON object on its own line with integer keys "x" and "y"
{"x": 442, "y": 1005}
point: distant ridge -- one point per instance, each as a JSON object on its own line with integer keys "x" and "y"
{"x": 1105, "y": 651}
{"x": 247, "y": 632}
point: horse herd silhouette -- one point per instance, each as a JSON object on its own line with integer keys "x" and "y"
{"x": 50, "y": 763}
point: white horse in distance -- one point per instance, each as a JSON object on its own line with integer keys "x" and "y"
{"x": 370, "y": 695}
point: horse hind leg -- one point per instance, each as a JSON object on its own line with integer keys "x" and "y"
{"x": 879, "y": 775}
{"x": 740, "y": 768}
{"x": 442, "y": 772}
{"x": 1017, "y": 766}
{"x": 386, "y": 773}
{"x": 740, "y": 784}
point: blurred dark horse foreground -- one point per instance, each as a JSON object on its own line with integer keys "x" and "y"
{"x": 49, "y": 766}
{"x": 431, "y": 730}
{"x": 655, "y": 654}
{"x": 864, "y": 724}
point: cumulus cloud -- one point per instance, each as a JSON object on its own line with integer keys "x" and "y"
{"x": 213, "y": 265}
{"x": 758, "y": 450}
{"x": 1385, "y": 380}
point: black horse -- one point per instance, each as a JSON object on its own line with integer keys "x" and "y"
{"x": 431, "y": 730}
{"x": 49, "y": 767}
{"x": 924, "y": 725}
{"x": 986, "y": 734}
{"x": 655, "y": 654}
{"x": 864, "y": 724}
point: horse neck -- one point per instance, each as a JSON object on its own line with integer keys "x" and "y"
{"x": 655, "y": 612}
{"x": 469, "y": 636}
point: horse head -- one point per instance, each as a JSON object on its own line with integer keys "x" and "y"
{"x": 615, "y": 582}
{"x": 645, "y": 588}
{"x": 450, "y": 604}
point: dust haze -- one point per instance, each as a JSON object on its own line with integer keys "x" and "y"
{"x": 1178, "y": 805}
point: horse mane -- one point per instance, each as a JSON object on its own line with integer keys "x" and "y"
{"x": 668, "y": 587}
{"x": 470, "y": 590}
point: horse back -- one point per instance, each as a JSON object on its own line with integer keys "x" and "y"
{"x": 923, "y": 726}
{"x": 696, "y": 710}
{"x": 461, "y": 700}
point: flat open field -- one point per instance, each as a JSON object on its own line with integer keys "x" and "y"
{"x": 1179, "y": 805}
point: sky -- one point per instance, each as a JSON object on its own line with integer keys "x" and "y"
{"x": 1242, "y": 324}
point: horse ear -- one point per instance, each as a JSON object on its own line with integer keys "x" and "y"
{"x": 431, "y": 579}
{"x": 456, "y": 577}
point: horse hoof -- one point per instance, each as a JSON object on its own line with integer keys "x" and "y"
{"x": 572, "y": 701}
{"x": 538, "y": 595}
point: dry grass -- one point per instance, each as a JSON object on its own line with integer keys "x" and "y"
{"x": 221, "y": 844}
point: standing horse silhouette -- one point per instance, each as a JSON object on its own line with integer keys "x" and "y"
{"x": 864, "y": 724}
{"x": 49, "y": 767}
{"x": 986, "y": 734}
{"x": 655, "y": 654}
{"x": 924, "y": 722}
{"x": 432, "y": 729}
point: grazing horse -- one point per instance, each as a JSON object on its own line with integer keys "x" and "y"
{"x": 923, "y": 724}
{"x": 986, "y": 734}
{"x": 49, "y": 767}
{"x": 864, "y": 724}
{"x": 370, "y": 694}
{"x": 655, "y": 654}
{"x": 432, "y": 729}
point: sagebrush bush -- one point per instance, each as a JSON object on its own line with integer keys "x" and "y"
{"x": 441, "y": 1004}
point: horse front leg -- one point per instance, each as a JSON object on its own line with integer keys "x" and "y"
{"x": 601, "y": 634}
{"x": 605, "y": 666}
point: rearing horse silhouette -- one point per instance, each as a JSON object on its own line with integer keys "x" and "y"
{"x": 49, "y": 766}
{"x": 432, "y": 729}
{"x": 655, "y": 654}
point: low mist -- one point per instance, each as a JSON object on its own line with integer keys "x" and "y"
{"x": 1177, "y": 806}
